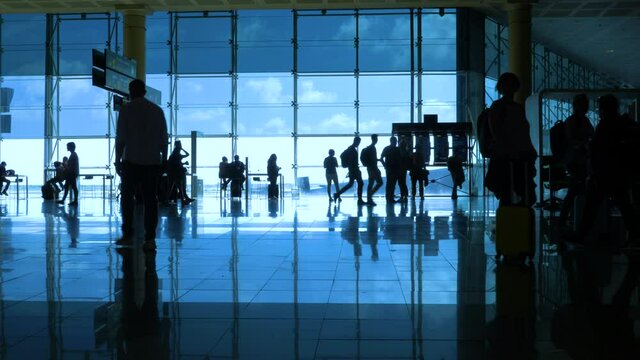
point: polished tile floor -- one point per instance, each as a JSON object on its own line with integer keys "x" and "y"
{"x": 301, "y": 279}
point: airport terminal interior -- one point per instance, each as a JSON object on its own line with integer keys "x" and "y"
{"x": 290, "y": 271}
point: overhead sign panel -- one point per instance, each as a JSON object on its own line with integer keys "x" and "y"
{"x": 121, "y": 64}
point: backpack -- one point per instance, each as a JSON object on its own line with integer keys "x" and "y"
{"x": 485, "y": 140}
{"x": 345, "y": 158}
{"x": 365, "y": 157}
{"x": 558, "y": 140}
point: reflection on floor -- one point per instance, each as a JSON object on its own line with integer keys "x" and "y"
{"x": 301, "y": 279}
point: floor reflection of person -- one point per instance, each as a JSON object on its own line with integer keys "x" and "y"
{"x": 142, "y": 334}
{"x": 371, "y": 235}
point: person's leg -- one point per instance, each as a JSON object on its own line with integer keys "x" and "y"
{"x": 392, "y": 179}
{"x": 568, "y": 201}
{"x": 414, "y": 181}
{"x": 66, "y": 191}
{"x": 329, "y": 179}
{"x": 371, "y": 177}
{"x": 6, "y": 182}
{"x": 129, "y": 182}
{"x": 346, "y": 187}
{"x": 336, "y": 182}
{"x": 360, "y": 186}
{"x": 149, "y": 185}
{"x": 595, "y": 197}
{"x": 421, "y": 185}
{"x": 377, "y": 180}
{"x": 404, "y": 190}
{"x": 74, "y": 190}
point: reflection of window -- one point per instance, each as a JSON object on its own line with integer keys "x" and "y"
{"x": 326, "y": 43}
{"x": 264, "y": 41}
{"x": 203, "y": 105}
{"x": 77, "y": 38}
{"x": 204, "y": 45}
{"x": 23, "y": 44}
{"x": 438, "y": 42}
{"x": 157, "y": 49}
{"x": 384, "y": 43}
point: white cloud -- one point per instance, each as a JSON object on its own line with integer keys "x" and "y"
{"x": 269, "y": 90}
{"x": 202, "y": 114}
{"x": 308, "y": 94}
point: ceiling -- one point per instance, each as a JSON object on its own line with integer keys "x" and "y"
{"x": 603, "y": 35}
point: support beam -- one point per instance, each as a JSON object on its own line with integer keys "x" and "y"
{"x": 520, "y": 46}
{"x": 135, "y": 39}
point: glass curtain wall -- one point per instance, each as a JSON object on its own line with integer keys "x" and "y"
{"x": 252, "y": 83}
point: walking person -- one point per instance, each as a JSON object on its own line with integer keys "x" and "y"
{"x": 331, "y": 173}
{"x": 349, "y": 158}
{"x": 141, "y": 151}
{"x": 71, "y": 173}
{"x": 369, "y": 158}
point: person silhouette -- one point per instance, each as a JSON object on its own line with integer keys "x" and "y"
{"x": 331, "y": 173}
{"x": 57, "y": 181}
{"x": 3, "y": 178}
{"x": 178, "y": 173}
{"x": 369, "y": 158}
{"x": 272, "y": 175}
{"x": 578, "y": 134}
{"x": 223, "y": 172}
{"x": 513, "y": 151}
{"x": 418, "y": 173}
{"x": 351, "y": 157}
{"x": 405, "y": 164}
{"x": 391, "y": 160}
{"x": 141, "y": 152}
{"x": 72, "y": 171}
{"x": 236, "y": 172}
{"x": 610, "y": 171}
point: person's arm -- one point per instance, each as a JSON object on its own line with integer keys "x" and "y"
{"x": 164, "y": 137}
{"x": 121, "y": 136}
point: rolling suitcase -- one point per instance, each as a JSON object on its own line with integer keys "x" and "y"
{"x": 47, "y": 192}
{"x": 515, "y": 228}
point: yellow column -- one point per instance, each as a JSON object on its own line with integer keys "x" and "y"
{"x": 135, "y": 39}
{"x": 520, "y": 46}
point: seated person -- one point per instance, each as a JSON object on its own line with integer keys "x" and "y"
{"x": 3, "y": 178}
{"x": 223, "y": 172}
{"x": 58, "y": 180}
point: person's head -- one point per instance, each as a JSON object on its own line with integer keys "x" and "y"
{"x": 356, "y": 141}
{"x": 580, "y": 104}
{"x": 374, "y": 139}
{"x": 608, "y": 106}
{"x": 224, "y": 159}
{"x": 508, "y": 84}
{"x": 331, "y": 152}
{"x": 393, "y": 141}
{"x": 71, "y": 146}
{"x": 3, "y": 164}
{"x": 177, "y": 144}
{"x": 236, "y": 158}
{"x": 65, "y": 159}
{"x": 273, "y": 157}
{"x": 137, "y": 89}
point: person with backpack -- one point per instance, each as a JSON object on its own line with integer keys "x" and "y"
{"x": 369, "y": 158}
{"x": 349, "y": 159}
{"x": 331, "y": 173}
{"x": 512, "y": 166}
{"x": 392, "y": 162}
{"x": 578, "y": 132}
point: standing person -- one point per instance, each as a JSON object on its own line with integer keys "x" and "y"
{"x": 272, "y": 175}
{"x": 513, "y": 154}
{"x": 610, "y": 169}
{"x": 350, "y": 159}
{"x": 223, "y": 172}
{"x": 71, "y": 172}
{"x": 391, "y": 160}
{"x": 3, "y": 178}
{"x": 141, "y": 151}
{"x": 578, "y": 134}
{"x": 331, "y": 172}
{"x": 418, "y": 173}
{"x": 369, "y": 158}
{"x": 178, "y": 173}
{"x": 405, "y": 164}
